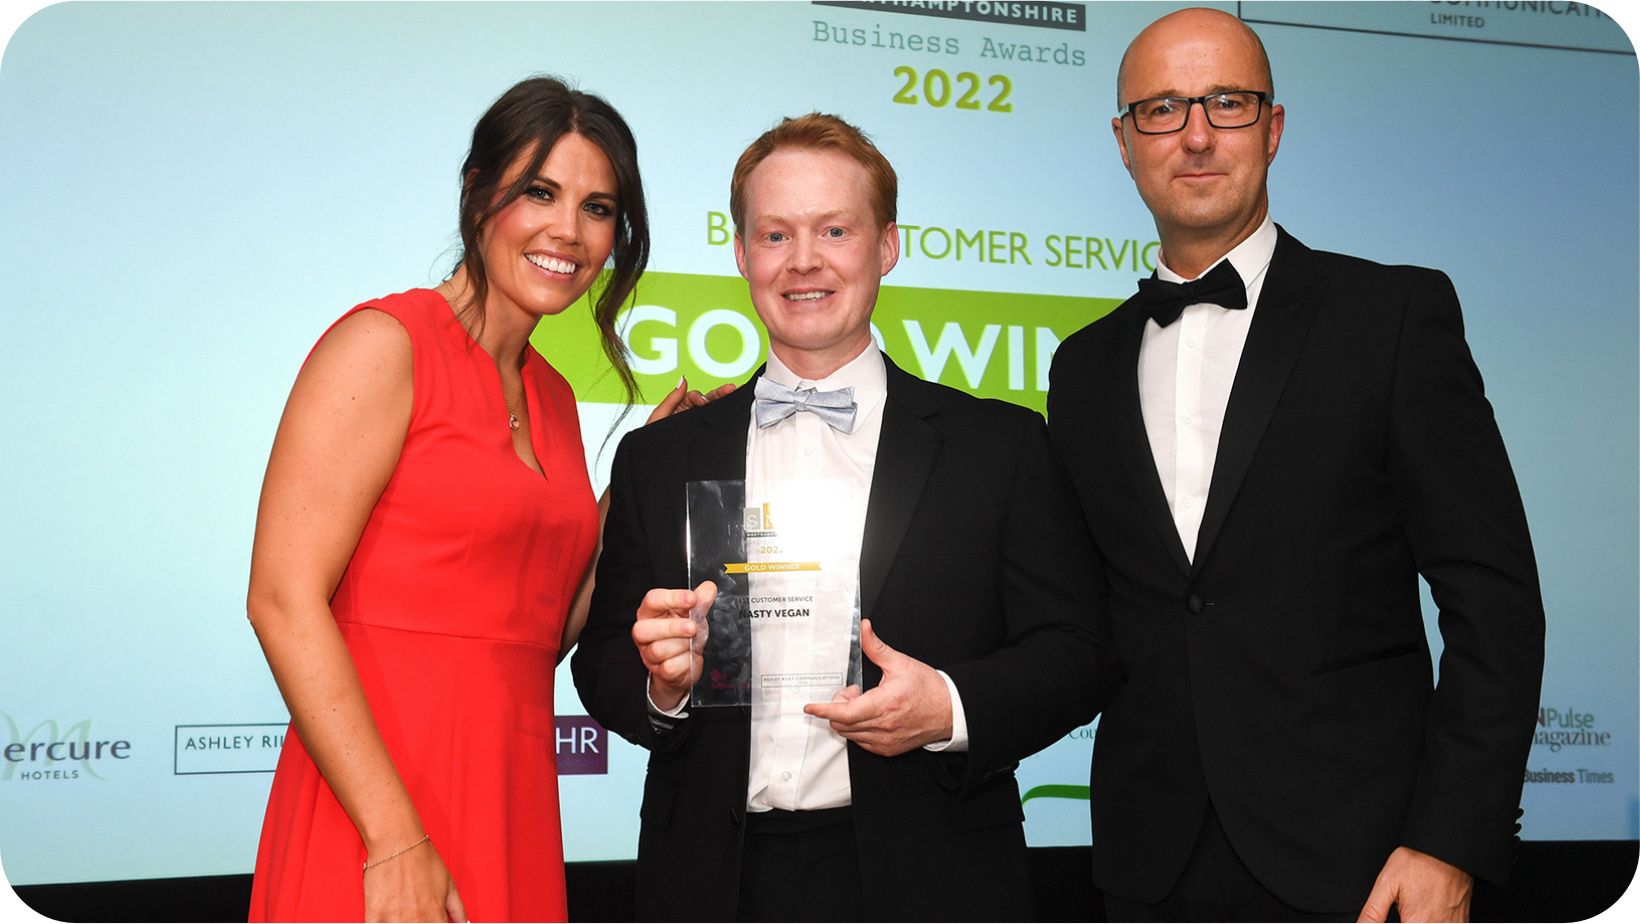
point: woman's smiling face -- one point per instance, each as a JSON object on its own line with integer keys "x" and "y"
{"x": 544, "y": 249}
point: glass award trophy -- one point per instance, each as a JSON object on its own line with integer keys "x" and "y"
{"x": 785, "y": 625}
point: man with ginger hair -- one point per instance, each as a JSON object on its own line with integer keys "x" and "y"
{"x": 1270, "y": 445}
{"x": 982, "y": 634}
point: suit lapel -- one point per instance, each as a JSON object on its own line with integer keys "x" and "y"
{"x": 906, "y": 452}
{"x": 1285, "y": 309}
{"x": 1134, "y": 443}
{"x": 717, "y": 452}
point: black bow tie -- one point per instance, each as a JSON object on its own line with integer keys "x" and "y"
{"x": 1164, "y": 301}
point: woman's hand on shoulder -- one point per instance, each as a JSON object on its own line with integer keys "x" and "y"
{"x": 681, "y": 399}
{"x": 414, "y": 886}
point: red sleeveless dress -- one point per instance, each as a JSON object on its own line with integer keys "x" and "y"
{"x": 452, "y": 608}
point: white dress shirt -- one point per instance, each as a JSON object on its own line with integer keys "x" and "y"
{"x": 797, "y": 762}
{"x": 1185, "y": 373}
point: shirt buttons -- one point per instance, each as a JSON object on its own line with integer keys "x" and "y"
{"x": 808, "y": 452}
{"x": 1185, "y": 420}
{"x": 1188, "y": 502}
{"x": 786, "y": 777}
{"x": 1190, "y": 341}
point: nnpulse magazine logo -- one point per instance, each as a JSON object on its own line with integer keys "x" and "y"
{"x": 53, "y": 751}
{"x": 1568, "y": 728}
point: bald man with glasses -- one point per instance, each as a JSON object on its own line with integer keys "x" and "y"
{"x": 1271, "y": 445}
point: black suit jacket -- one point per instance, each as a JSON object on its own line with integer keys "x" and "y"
{"x": 1284, "y": 674}
{"x": 974, "y": 561}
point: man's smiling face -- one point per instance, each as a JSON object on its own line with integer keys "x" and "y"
{"x": 814, "y": 256}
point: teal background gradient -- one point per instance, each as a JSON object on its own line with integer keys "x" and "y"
{"x": 191, "y": 192}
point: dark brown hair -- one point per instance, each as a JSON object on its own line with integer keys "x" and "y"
{"x": 820, "y": 132}
{"x": 532, "y": 117}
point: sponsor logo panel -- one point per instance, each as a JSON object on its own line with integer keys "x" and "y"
{"x": 1556, "y": 24}
{"x": 247, "y": 748}
{"x": 1573, "y": 740}
{"x": 40, "y": 750}
{"x": 1067, "y": 16}
{"x": 582, "y": 746}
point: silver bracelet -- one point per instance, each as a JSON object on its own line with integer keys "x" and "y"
{"x": 425, "y": 838}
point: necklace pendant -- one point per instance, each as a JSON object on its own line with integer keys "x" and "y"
{"x": 512, "y": 421}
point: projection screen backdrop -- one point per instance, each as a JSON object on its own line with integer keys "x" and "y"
{"x": 192, "y": 192}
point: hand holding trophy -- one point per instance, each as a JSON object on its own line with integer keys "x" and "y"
{"x": 670, "y": 631}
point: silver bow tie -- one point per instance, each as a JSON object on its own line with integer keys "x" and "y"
{"x": 775, "y": 402}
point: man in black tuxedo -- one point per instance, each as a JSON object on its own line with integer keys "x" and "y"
{"x": 1268, "y": 457}
{"x": 983, "y": 638}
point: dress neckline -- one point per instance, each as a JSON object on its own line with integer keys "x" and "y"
{"x": 533, "y": 402}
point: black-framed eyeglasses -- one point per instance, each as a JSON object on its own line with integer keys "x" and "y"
{"x": 1163, "y": 115}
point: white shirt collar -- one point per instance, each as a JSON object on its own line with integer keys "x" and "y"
{"x": 1250, "y": 258}
{"x": 864, "y": 373}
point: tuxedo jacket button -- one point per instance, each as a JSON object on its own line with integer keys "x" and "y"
{"x": 1194, "y": 604}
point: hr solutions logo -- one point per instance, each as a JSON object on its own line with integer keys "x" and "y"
{"x": 56, "y": 751}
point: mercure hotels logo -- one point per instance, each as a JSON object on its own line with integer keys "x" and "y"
{"x": 56, "y": 751}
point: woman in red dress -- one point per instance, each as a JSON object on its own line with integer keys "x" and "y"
{"x": 423, "y": 542}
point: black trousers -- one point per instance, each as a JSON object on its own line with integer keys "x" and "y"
{"x": 800, "y": 866}
{"x": 1215, "y": 886}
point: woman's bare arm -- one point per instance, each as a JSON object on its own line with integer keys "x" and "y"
{"x": 336, "y": 448}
